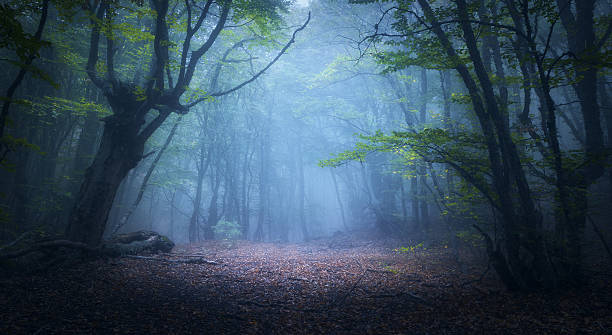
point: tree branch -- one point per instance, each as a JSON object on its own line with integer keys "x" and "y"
{"x": 184, "y": 81}
{"x": 19, "y": 78}
{"x": 258, "y": 74}
{"x": 160, "y": 46}
{"x": 153, "y": 125}
{"x": 110, "y": 49}
{"x": 94, "y": 45}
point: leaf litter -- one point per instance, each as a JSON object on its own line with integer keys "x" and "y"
{"x": 339, "y": 285}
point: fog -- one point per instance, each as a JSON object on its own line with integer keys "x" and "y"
{"x": 265, "y": 143}
{"x": 273, "y": 121}
{"x": 267, "y": 138}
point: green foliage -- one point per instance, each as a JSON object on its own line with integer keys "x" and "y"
{"x": 391, "y": 269}
{"x": 460, "y": 150}
{"x": 434, "y": 145}
{"x": 359, "y": 153}
{"x": 55, "y": 106}
{"x": 14, "y": 37}
{"x": 471, "y": 237}
{"x": 12, "y": 144}
{"x": 133, "y": 33}
{"x": 265, "y": 14}
{"x": 430, "y": 55}
{"x": 227, "y": 230}
{"x": 194, "y": 94}
{"x": 411, "y": 249}
{"x": 51, "y": 197}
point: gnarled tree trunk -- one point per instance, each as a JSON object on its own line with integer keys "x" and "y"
{"x": 119, "y": 152}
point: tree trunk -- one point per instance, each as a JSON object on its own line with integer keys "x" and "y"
{"x": 582, "y": 43}
{"x": 245, "y": 189}
{"x": 607, "y": 111}
{"x": 119, "y": 152}
{"x": 526, "y": 220}
{"x": 301, "y": 192}
{"x": 194, "y": 227}
{"x": 263, "y": 184}
{"x": 143, "y": 186}
{"x": 87, "y": 143}
{"x": 424, "y": 209}
{"x": 403, "y": 201}
{"x": 446, "y": 84}
{"x": 171, "y": 232}
{"x": 510, "y": 184}
{"x": 414, "y": 195}
{"x": 333, "y": 175}
{"x": 213, "y": 215}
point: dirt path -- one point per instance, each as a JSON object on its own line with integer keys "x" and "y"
{"x": 337, "y": 286}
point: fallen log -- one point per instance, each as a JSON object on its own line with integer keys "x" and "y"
{"x": 137, "y": 243}
{"x": 124, "y": 244}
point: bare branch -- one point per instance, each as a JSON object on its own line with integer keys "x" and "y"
{"x": 110, "y": 48}
{"x": 94, "y": 45}
{"x": 605, "y": 37}
{"x": 190, "y": 32}
{"x": 226, "y": 54}
{"x": 258, "y": 74}
{"x": 153, "y": 125}
{"x": 184, "y": 80}
{"x": 160, "y": 46}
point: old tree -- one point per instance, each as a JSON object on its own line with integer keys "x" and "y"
{"x": 143, "y": 99}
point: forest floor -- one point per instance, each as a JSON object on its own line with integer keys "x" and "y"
{"x": 340, "y": 285}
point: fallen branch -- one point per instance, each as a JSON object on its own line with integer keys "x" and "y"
{"x": 411, "y": 295}
{"x": 194, "y": 255}
{"x": 184, "y": 261}
{"x": 336, "y": 302}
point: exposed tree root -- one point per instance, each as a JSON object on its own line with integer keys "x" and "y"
{"x": 17, "y": 240}
{"x": 40, "y": 256}
{"x": 49, "y": 246}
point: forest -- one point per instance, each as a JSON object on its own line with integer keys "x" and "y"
{"x": 305, "y": 167}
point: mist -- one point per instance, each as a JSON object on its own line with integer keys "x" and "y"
{"x": 330, "y": 155}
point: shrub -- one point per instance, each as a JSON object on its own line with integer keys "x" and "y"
{"x": 227, "y": 230}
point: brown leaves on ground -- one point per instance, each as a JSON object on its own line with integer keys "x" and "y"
{"x": 333, "y": 286}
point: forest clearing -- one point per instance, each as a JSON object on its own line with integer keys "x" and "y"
{"x": 305, "y": 166}
{"x": 339, "y": 285}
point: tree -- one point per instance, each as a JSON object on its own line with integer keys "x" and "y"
{"x": 128, "y": 128}
{"x": 445, "y": 37}
{"x": 27, "y": 48}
